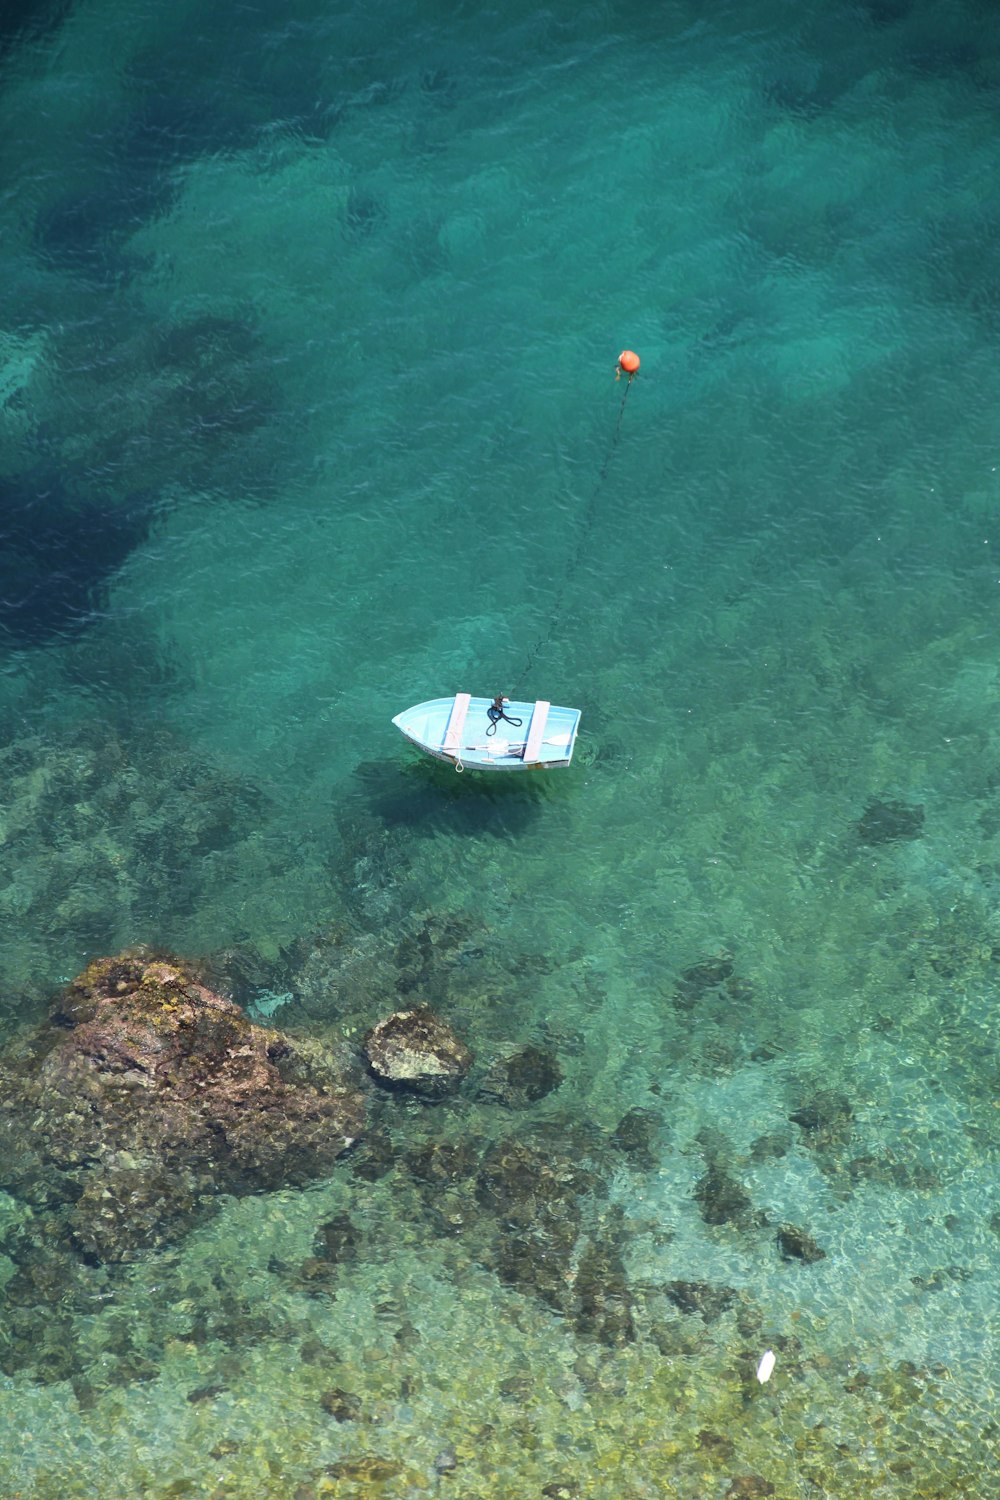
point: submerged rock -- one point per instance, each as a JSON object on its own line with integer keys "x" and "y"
{"x": 343, "y": 1406}
{"x": 771, "y": 1146}
{"x": 440, "y": 1163}
{"x": 716, "y": 975}
{"x": 825, "y": 1118}
{"x": 882, "y": 822}
{"x": 942, "y": 1277}
{"x": 797, "y": 1244}
{"x": 533, "y": 1197}
{"x": 537, "y": 1218}
{"x": 886, "y": 1168}
{"x": 126, "y": 810}
{"x": 700, "y": 1297}
{"x": 722, "y": 1199}
{"x": 375, "y": 1157}
{"x": 414, "y": 1049}
{"x": 523, "y": 1077}
{"x": 339, "y": 1240}
{"x": 152, "y": 1095}
{"x": 603, "y": 1301}
{"x": 635, "y": 1135}
{"x": 749, "y": 1487}
{"x": 371, "y": 1469}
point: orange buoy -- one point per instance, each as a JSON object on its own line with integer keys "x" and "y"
{"x": 627, "y": 361}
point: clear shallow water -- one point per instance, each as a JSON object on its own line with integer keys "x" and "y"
{"x": 307, "y": 343}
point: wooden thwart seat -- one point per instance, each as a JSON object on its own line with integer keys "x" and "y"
{"x": 536, "y": 730}
{"x": 456, "y": 723}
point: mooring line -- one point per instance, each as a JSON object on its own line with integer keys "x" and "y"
{"x": 628, "y": 364}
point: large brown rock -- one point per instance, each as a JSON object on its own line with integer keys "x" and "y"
{"x": 414, "y": 1049}
{"x": 152, "y": 1095}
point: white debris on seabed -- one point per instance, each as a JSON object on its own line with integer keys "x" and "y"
{"x": 266, "y": 1002}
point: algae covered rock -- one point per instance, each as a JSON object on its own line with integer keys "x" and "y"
{"x": 635, "y": 1136}
{"x": 700, "y": 1297}
{"x": 825, "y": 1118}
{"x": 521, "y": 1078}
{"x": 151, "y": 1095}
{"x": 887, "y": 820}
{"x": 721, "y": 1198}
{"x": 415, "y": 1050}
{"x": 797, "y": 1244}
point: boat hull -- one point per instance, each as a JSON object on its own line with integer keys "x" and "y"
{"x": 455, "y": 730}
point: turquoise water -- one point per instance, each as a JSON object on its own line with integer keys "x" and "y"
{"x": 308, "y": 413}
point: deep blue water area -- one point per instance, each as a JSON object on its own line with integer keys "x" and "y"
{"x": 309, "y": 318}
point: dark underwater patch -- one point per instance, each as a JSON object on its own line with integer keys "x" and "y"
{"x": 56, "y": 554}
{"x": 364, "y": 214}
{"x": 173, "y": 124}
{"x": 222, "y": 95}
{"x": 886, "y": 820}
{"x": 428, "y": 798}
{"x": 887, "y": 12}
{"x": 219, "y": 391}
{"x": 802, "y": 90}
{"x": 136, "y": 155}
{"x": 24, "y": 21}
{"x": 81, "y": 230}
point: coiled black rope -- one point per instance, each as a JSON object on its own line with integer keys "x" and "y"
{"x": 496, "y": 713}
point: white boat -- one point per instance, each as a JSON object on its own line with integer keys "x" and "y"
{"x": 492, "y": 734}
